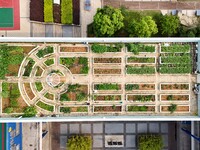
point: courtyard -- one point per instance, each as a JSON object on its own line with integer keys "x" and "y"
{"x": 154, "y": 79}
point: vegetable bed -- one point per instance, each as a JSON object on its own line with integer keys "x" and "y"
{"x": 135, "y": 87}
{"x": 49, "y": 96}
{"x": 74, "y": 109}
{"x": 99, "y": 48}
{"x": 73, "y": 49}
{"x": 149, "y": 60}
{"x": 107, "y": 71}
{"x": 140, "y": 70}
{"x": 107, "y": 86}
{"x": 105, "y": 109}
{"x": 39, "y": 86}
{"x": 77, "y": 65}
{"x": 49, "y": 62}
{"x": 141, "y": 98}
{"x": 28, "y": 68}
{"x": 175, "y": 97}
{"x": 39, "y": 71}
{"x": 138, "y": 48}
{"x": 29, "y": 91}
{"x": 174, "y": 86}
{"x": 141, "y": 108}
{"x": 45, "y": 106}
{"x": 179, "y": 108}
{"x": 107, "y": 98}
{"x": 107, "y": 60}
{"x": 43, "y": 52}
{"x": 176, "y": 48}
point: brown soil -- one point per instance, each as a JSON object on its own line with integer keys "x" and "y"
{"x": 39, "y": 71}
{"x": 175, "y": 97}
{"x": 134, "y": 97}
{"x": 29, "y": 91}
{"x": 107, "y": 60}
{"x": 50, "y": 96}
{"x": 13, "y": 70}
{"x": 145, "y": 87}
{"x": 37, "y": 10}
{"x": 72, "y": 95}
{"x": 107, "y": 109}
{"x": 175, "y": 87}
{"x": 74, "y": 109}
{"x": 27, "y": 49}
{"x": 119, "y": 87}
{"x": 76, "y": 68}
{"x": 108, "y": 98}
{"x": 56, "y": 13}
{"x": 76, "y": 12}
{"x": 73, "y": 49}
{"x": 107, "y": 71}
{"x": 179, "y": 108}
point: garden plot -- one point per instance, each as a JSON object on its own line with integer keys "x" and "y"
{"x": 107, "y": 71}
{"x": 107, "y": 48}
{"x": 48, "y": 50}
{"x": 107, "y": 109}
{"x": 74, "y": 109}
{"x": 39, "y": 71}
{"x": 107, "y": 87}
{"x": 45, "y": 106}
{"x": 107, "y": 98}
{"x": 140, "y": 98}
{"x": 108, "y": 60}
{"x": 139, "y": 87}
{"x": 140, "y": 48}
{"x": 74, "y": 49}
{"x": 29, "y": 91}
{"x": 174, "y": 86}
{"x": 140, "y": 60}
{"x": 141, "y": 70}
{"x": 140, "y": 108}
{"x": 175, "y": 97}
{"x": 174, "y": 108}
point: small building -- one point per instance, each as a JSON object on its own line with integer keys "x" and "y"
{"x": 56, "y": 2}
{"x": 198, "y": 13}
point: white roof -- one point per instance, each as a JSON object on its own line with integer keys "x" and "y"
{"x": 56, "y": 2}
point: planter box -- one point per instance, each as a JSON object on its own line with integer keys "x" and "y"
{"x": 107, "y": 98}
{"x": 144, "y": 52}
{"x": 77, "y": 48}
{"x": 107, "y": 71}
{"x": 28, "y": 90}
{"x": 127, "y": 61}
{"x": 145, "y": 96}
{"x": 36, "y": 104}
{"x": 75, "y": 109}
{"x": 172, "y": 87}
{"x": 175, "y": 97}
{"x": 107, "y": 60}
{"x": 107, "y": 91}
{"x": 180, "y": 109}
{"x": 46, "y": 54}
{"x": 149, "y": 109}
{"x": 141, "y": 69}
{"x": 141, "y": 87}
{"x": 107, "y": 109}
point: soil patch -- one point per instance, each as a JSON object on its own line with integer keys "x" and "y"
{"x": 73, "y": 49}
{"x": 29, "y": 91}
{"x": 174, "y": 87}
{"x": 76, "y": 12}
{"x": 107, "y": 108}
{"x": 175, "y": 97}
{"x": 13, "y": 70}
{"x": 38, "y": 71}
{"x": 37, "y": 10}
{"x": 107, "y": 71}
{"x": 27, "y": 49}
{"x": 107, "y": 97}
{"x": 178, "y": 109}
{"x": 142, "y": 98}
{"x": 57, "y": 13}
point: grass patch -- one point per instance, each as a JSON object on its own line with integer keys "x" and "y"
{"x": 45, "y": 106}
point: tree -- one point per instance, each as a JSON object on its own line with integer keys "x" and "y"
{"x": 169, "y": 25}
{"x": 144, "y": 27}
{"x": 150, "y": 142}
{"x": 172, "y": 108}
{"x": 107, "y": 21}
{"x": 79, "y": 142}
{"x": 29, "y": 111}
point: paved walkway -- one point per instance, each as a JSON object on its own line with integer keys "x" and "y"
{"x": 99, "y": 131}
{"x": 139, "y": 5}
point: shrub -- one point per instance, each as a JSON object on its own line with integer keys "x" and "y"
{"x": 130, "y": 87}
{"x": 66, "y": 12}
{"x": 97, "y": 48}
{"x": 107, "y": 86}
{"x": 48, "y": 10}
{"x": 137, "y": 108}
{"x": 140, "y": 70}
{"x": 29, "y": 111}
{"x": 65, "y": 109}
{"x": 79, "y": 142}
{"x": 47, "y": 50}
{"x": 28, "y": 68}
{"x": 8, "y": 110}
{"x": 150, "y": 142}
{"x": 45, "y": 106}
{"x": 64, "y": 97}
{"x": 172, "y": 108}
{"x": 39, "y": 86}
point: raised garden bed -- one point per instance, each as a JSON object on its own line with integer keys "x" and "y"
{"x": 39, "y": 86}
{"x": 100, "y": 48}
{"x": 140, "y": 48}
{"x": 49, "y": 96}
{"x": 176, "y": 48}
{"x": 37, "y": 10}
{"x": 74, "y": 49}
{"x": 29, "y": 91}
{"x": 77, "y": 65}
{"x": 107, "y": 60}
{"x": 105, "y": 109}
{"x": 45, "y": 51}
{"x": 75, "y": 92}
{"x": 175, "y": 68}
{"x": 139, "y": 108}
{"x": 107, "y": 86}
{"x": 179, "y": 108}
{"x": 107, "y": 71}
{"x": 174, "y": 59}
{"x": 140, "y": 70}
{"x": 76, "y": 12}
{"x": 141, "y": 98}
{"x": 174, "y": 97}
{"x": 137, "y": 87}
{"x": 77, "y": 109}
{"x": 28, "y": 68}
{"x": 45, "y": 106}
{"x": 107, "y": 97}
{"x": 141, "y": 60}
{"x": 49, "y": 62}
{"x": 27, "y": 49}
{"x": 175, "y": 86}
{"x": 39, "y": 71}
{"x": 12, "y": 102}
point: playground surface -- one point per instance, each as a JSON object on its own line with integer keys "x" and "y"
{"x": 9, "y": 15}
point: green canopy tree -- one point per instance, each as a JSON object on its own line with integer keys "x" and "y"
{"x": 107, "y": 21}
{"x": 79, "y": 142}
{"x": 144, "y": 27}
{"x": 169, "y": 25}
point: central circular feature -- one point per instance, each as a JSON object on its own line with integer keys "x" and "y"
{"x": 53, "y": 79}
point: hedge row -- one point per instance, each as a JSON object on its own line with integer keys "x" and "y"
{"x": 48, "y": 11}
{"x": 66, "y": 12}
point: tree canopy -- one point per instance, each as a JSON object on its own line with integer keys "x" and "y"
{"x": 107, "y": 21}
{"x": 144, "y": 27}
{"x": 169, "y": 25}
{"x": 79, "y": 142}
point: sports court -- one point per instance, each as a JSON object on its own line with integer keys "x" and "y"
{"x": 9, "y": 15}
{"x": 3, "y": 136}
